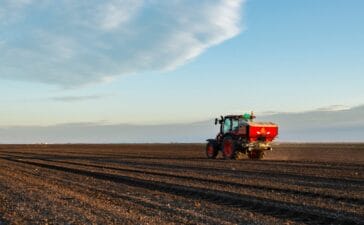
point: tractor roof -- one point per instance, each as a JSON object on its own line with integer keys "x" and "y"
{"x": 234, "y": 116}
{"x": 245, "y": 116}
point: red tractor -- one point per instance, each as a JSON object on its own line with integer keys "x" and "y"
{"x": 240, "y": 136}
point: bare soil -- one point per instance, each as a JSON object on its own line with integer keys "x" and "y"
{"x": 176, "y": 184}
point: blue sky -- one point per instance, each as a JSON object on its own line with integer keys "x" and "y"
{"x": 157, "y": 62}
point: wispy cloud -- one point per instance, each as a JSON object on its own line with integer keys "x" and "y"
{"x": 334, "y": 108}
{"x": 77, "y": 98}
{"x": 72, "y": 43}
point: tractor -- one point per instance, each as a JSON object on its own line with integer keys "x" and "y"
{"x": 240, "y": 136}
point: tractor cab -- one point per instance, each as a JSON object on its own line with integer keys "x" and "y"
{"x": 232, "y": 123}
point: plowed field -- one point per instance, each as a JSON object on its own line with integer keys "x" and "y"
{"x": 176, "y": 184}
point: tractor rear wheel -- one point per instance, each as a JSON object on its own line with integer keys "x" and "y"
{"x": 211, "y": 150}
{"x": 229, "y": 148}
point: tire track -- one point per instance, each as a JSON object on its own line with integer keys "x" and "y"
{"x": 294, "y": 166}
{"x": 280, "y": 163}
{"x": 152, "y": 206}
{"x": 357, "y": 201}
{"x": 296, "y": 179}
{"x": 309, "y": 165}
{"x": 296, "y": 212}
{"x": 302, "y": 179}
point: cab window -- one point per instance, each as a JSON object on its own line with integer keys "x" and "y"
{"x": 227, "y": 126}
{"x": 235, "y": 124}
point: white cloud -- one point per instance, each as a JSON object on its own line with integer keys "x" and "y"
{"x": 73, "y": 43}
{"x": 334, "y": 108}
{"x": 77, "y": 98}
{"x": 115, "y": 13}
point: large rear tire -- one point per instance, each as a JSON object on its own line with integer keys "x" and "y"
{"x": 211, "y": 150}
{"x": 229, "y": 148}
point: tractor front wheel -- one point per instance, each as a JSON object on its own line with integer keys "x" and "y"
{"x": 211, "y": 150}
{"x": 229, "y": 148}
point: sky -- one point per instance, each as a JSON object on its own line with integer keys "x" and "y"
{"x": 149, "y": 62}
